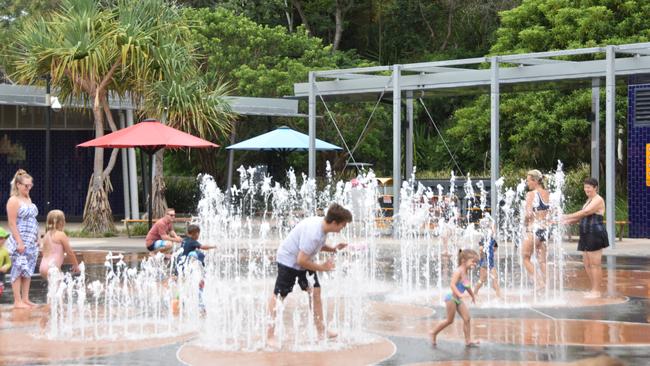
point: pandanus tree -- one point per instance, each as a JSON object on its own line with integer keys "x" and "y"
{"x": 138, "y": 49}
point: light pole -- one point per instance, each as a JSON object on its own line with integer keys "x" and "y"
{"x": 51, "y": 103}
{"x": 48, "y": 147}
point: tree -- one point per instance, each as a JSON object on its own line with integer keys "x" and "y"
{"x": 12, "y": 12}
{"x": 530, "y": 120}
{"x": 92, "y": 49}
{"x": 264, "y": 61}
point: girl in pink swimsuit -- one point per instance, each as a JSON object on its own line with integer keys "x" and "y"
{"x": 55, "y": 244}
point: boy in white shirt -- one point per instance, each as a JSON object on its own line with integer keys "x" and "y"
{"x": 295, "y": 260}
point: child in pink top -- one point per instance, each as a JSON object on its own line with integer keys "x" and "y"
{"x": 55, "y": 244}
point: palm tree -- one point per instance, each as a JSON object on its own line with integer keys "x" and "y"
{"x": 127, "y": 48}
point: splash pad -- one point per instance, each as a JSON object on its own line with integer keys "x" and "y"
{"x": 157, "y": 299}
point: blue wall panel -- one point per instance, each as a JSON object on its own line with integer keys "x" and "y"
{"x": 638, "y": 190}
{"x": 71, "y": 169}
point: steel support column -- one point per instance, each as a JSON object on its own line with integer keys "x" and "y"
{"x": 494, "y": 133}
{"x": 312, "y": 125}
{"x": 595, "y": 128}
{"x": 409, "y": 135}
{"x": 231, "y": 159}
{"x": 125, "y": 172}
{"x": 133, "y": 173}
{"x": 397, "y": 139}
{"x": 610, "y": 145}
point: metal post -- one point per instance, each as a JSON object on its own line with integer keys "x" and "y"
{"x": 145, "y": 175}
{"x": 610, "y": 145}
{"x": 125, "y": 173}
{"x": 312, "y": 125}
{"x": 150, "y": 183}
{"x": 595, "y": 128}
{"x": 409, "y": 135}
{"x": 133, "y": 173}
{"x": 397, "y": 139}
{"x": 231, "y": 157}
{"x": 494, "y": 133}
{"x": 48, "y": 145}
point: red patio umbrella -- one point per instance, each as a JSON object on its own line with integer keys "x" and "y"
{"x": 149, "y": 136}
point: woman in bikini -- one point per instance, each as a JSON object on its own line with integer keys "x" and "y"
{"x": 536, "y": 227}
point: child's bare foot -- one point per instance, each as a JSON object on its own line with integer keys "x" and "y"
{"x": 433, "y": 338}
{"x": 272, "y": 343}
{"x": 328, "y": 335}
{"x": 473, "y": 344}
{"x": 21, "y": 305}
{"x": 30, "y": 303}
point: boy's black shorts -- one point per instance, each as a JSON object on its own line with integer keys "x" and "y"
{"x": 287, "y": 279}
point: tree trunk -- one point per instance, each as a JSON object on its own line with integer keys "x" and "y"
{"x": 338, "y": 28}
{"x": 342, "y": 7}
{"x": 432, "y": 33}
{"x": 303, "y": 16}
{"x": 98, "y": 216}
{"x": 288, "y": 12}
{"x": 450, "y": 18}
{"x": 159, "y": 188}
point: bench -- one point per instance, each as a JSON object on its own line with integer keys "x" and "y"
{"x": 127, "y": 222}
{"x": 619, "y": 225}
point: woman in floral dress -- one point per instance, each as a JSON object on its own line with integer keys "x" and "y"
{"x": 22, "y": 245}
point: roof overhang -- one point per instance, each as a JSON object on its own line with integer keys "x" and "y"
{"x": 34, "y": 96}
{"x": 518, "y": 72}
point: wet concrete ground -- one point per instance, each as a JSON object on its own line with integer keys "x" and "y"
{"x": 617, "y": 326}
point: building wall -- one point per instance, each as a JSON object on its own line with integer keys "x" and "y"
{"x": 638, "y": 162}
{"x": 70, "y": 170}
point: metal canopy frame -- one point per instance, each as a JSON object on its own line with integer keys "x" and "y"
{"x": 506, "y": 73}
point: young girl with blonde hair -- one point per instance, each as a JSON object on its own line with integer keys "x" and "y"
{"x": 55, "y": 244}
{"x": 459, "y": 284}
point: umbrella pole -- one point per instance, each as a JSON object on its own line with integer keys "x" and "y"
{"x": 150, "y": 203}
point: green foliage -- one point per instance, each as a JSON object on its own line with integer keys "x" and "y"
{"x": 182, "y": 193}
{"x": 543, "y": 25}
{"x": 138, "y": 229}
{"x": 574, "y": 193}
{"x": 86, "y": 234}
{"x": 259, "y": 60}
{"x": 264, "y": 61}
{"x": 539, "y": 128}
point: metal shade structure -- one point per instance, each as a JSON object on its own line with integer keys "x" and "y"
{"x": 149, "y": 136}
{"x": 573, "y": 68}
{"x": 282, "y": 139}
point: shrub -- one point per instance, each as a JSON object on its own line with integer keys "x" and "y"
{"x": 182, "y": 193}
{"x": 85, "y": 234}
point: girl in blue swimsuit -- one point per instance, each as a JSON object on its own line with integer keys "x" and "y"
{"x": 467, "y": 260}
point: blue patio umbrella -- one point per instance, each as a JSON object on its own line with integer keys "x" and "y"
{"x": 282, "y": 139}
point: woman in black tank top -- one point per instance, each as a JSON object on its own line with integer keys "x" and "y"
{"x": 593, "y": 237}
